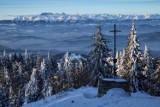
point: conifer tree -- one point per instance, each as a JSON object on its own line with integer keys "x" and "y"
{"x": 4, "y": 53}
{"x": 47, "y": 87}
{"x": 60, "y": 77}
{"x": 147, "y": 63}
{"x": 81, "y": 72}
{"x": 7, "y": 70}
{"x": 120, "y": 67}
{"x": 118, "y": 58}
{"x": 134, "y": 77}
{"x": 154, "y": 88}
{"x": 49, "y": 55}
{"x": 132, "y": 51}
{"x": 156, "y": 74}
{"x": 26, "y": 55}
{"x": 98, "y": 57}
{"x": 32, "y": 89}
{"x": 68, "y": 68}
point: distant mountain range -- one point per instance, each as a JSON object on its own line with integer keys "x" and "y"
{"x": 63, "y": 17}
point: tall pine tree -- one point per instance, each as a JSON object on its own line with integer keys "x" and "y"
{"x": 98, "y": 57}
{"x": 47, "y": 87}
{"x": 155, "y": 81}
{"x": 31, "y": 90}
{"x": 131, "y": 65}
{"x": 132, "y": 51}
{"x": 147, "y": 63}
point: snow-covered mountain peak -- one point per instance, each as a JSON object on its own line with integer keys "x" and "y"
{"x": 63, "y": 17}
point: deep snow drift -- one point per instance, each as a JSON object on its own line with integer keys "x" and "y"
{"x": 86, "y": 97}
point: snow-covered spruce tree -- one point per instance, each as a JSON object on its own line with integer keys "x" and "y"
{"x": 134, "y": 76}
{"x": 6, "y": 80}
{"x": 4, "y": 53}
{"x": 49, "y": 55}
{"x": 28, "y": 67}
{"x": 51, "y": 65}
{"x": 97, "y": 57}
{"x": 132, "y": 50}
{"x": 147, "y": 70}
{"x": 43, "y": 70}
{"x": 31, "y": 90}
{"x": 72, "y": 72}
{"x": 6, "y": 87}
{"x": 120, "y": 68}
{"x": 156, "y": 74}
{"x": 18, "y": 81}
{"x": 154, "y": 88}
{"x": 4, "y": 98}
{"x": 67, "y": 62}
{"x": 80, "y": 74}
{"x": 131, "y": 64}
{"x": 59, "y": 78}
{"x": 26, "y": 56}
{"x": 147, "y": 63}
{"x": 47, "y": 87}
{"x": 63, "y": 78}
{"x": 118, "y": 58}
{"x": 68, "y": 68}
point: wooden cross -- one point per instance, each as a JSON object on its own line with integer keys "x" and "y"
{"x": 114, "y": 60}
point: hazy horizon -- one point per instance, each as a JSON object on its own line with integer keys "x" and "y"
{"x": 12, "y": 8}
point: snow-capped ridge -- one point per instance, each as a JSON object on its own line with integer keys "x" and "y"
{"x": 63, "y": 17}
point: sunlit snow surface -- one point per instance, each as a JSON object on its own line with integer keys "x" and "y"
{"x": 74, "y": 36}
{"x": 86, "y": 97}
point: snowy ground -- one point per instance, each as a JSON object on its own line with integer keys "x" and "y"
{"x": 86, "y": 97}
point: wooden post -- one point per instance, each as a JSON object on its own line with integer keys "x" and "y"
{"x": 114, "y": 60}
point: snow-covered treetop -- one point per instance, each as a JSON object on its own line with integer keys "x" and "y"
{"x": 26, "y": 55}
{"x": 133, "y": 42}
{"x": 34, "y": 74}
{"x": 133, "y": 29}
{"x": 99, "y": 54}
{"x": 73, "y": 56}
{"x": 49, "y": 55}
{"x": 100, "y": 45}
{"x": 146, "y": 51}
{"x": 4, "y": 53}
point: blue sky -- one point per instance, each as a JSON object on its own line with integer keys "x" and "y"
{"x": 12, "y": 8}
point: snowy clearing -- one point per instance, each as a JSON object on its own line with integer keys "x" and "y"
{"x": 86, "y": 97}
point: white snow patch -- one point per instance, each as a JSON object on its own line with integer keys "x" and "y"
{"x": 86, "y": 97}
{"x": 140, "y": 94}
{"x": 90, "y": 94}
{"x": 74, "y": 56}
{"x": 116, "y": 92}
{"x": 116, "y": 80}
